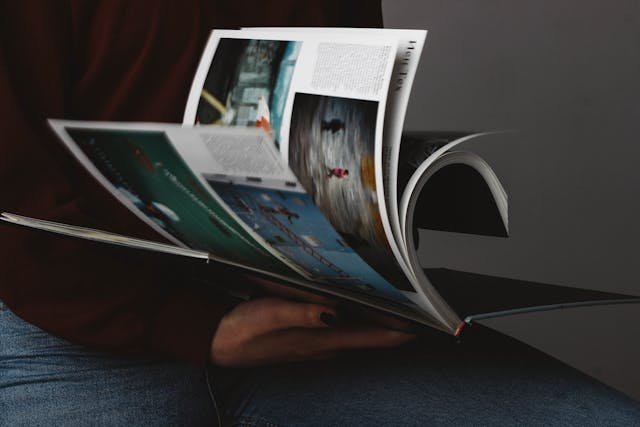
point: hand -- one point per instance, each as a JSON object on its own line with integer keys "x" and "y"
{"x": 272, "y": 330}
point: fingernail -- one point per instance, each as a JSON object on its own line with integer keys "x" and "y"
{"x": 328, "y": 319}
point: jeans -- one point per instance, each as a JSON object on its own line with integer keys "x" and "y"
{"x": 47, "y": 381}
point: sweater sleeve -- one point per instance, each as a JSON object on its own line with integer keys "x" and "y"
{"x": 106, "y": 298}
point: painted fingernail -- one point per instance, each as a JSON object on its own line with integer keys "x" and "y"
{"x": 328, "y": 319}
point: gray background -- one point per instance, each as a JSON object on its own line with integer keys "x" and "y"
{"x": 566, "y": 75}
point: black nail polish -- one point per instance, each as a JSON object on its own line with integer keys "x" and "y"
{"x": 328, "y": 319}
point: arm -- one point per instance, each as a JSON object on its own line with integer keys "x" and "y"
{"x": 86, "y": 293}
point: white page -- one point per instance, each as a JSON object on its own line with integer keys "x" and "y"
{"x": 410, "y": 44}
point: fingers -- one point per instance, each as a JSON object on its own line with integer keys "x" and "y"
{"x": 273, "y": 314}
{"x": 331, "y": 340}
{"x": 276, "y": 330}
{"x": 369, "y": 338}
{"x": 239, "y": 339}
{"x": 317, "y": 344}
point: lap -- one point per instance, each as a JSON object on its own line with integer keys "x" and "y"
{"x": 48, "y": 381}
{"x": 423, "y": 386}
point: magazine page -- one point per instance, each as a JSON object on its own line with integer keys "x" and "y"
{"x": 410, "y": 44}
{"x": 465, "y": 172}
{"x": 433, "y": 164}
{"x": 101, "y": 236}
{"x": 324, "y": 103}
{"x": 138, "y": 164}
{"x": 225, "y": 191}
{"x": 415, "y": 148}
{"x": 435, "y": 149}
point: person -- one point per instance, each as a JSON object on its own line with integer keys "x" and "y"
{"x": 338, "y": 173}
{"x": 334, "y": 125}
{"x": 96, "y": 335}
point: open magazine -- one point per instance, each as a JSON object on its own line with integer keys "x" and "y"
{"x": 291, "y": 163}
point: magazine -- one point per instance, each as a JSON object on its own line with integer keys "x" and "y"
{"x": 290, "y": 163}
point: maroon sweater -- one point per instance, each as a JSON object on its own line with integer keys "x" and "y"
{"x": 110, "y": 60}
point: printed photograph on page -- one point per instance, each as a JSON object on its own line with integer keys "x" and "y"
{"x": 248, "y": 84}
{"x": 331, "y": 151}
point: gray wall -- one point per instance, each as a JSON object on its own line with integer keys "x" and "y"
{"x": 566, "y": 75}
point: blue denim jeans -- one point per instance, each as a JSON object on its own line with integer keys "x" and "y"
{"x": 47, "y": 381}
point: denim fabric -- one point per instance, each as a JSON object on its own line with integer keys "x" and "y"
{"x": 50, "y": 382}
{"x": 422, "y": 386}
{"x": 46, "y": 381}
